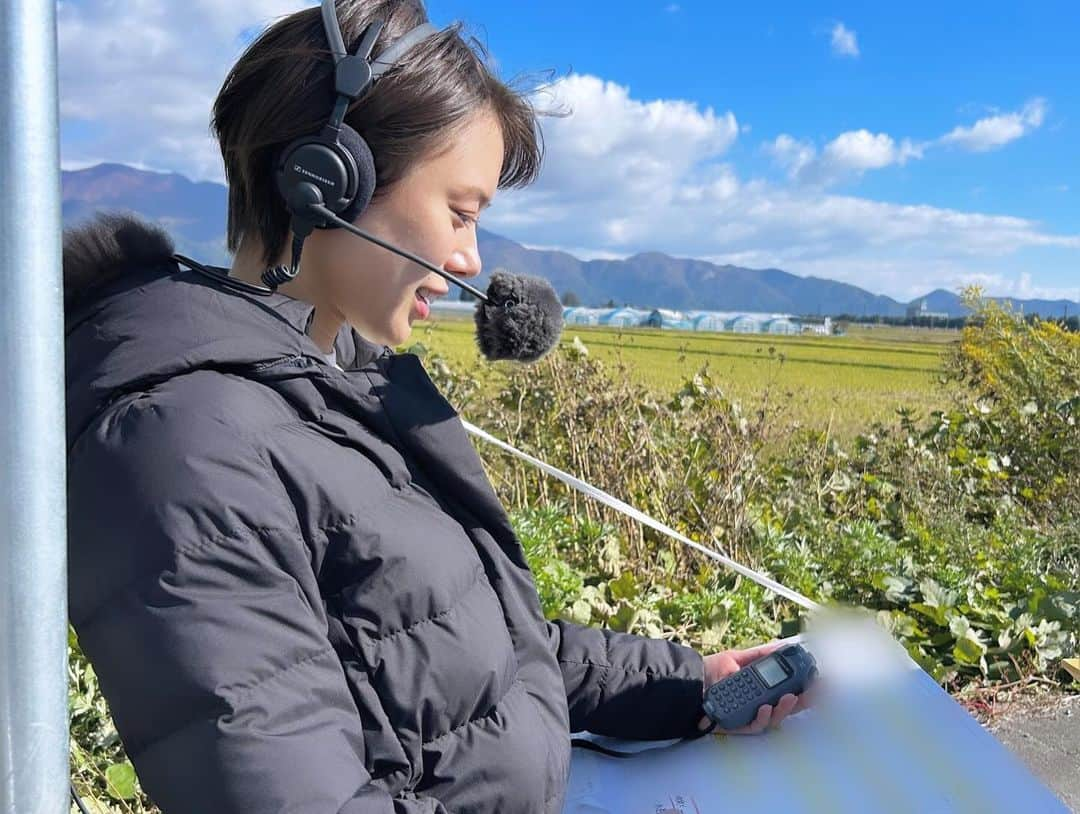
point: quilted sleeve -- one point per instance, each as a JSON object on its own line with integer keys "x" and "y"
{"x": 628, "y": 686}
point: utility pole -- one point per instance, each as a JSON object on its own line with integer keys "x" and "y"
{"x": 34, "y": 775}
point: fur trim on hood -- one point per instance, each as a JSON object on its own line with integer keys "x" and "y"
{"x": 135, "y": 319}
{"x": 102, "y": 249}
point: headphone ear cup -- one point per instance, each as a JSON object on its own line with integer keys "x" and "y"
{"x": 353, "y": 143}
{"x": 342, "y": 171}
{"x": 312, "y": 161}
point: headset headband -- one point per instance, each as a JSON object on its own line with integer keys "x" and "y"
{"x": 385, "y": 61}
{"x": 355, "y": 74}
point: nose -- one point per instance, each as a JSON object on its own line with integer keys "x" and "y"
{"x": 464, "y": 261}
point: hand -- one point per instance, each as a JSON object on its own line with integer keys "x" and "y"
{"x": 722, "y": 664}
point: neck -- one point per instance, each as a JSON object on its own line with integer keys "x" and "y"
{"x": 249, "y": 266}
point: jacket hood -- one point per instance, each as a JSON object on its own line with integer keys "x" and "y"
{"x": 134, "y": 317}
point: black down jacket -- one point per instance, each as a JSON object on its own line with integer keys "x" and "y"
{"x": 296, "y": 584}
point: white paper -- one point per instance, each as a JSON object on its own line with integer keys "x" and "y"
{"x": 883, "y": 737}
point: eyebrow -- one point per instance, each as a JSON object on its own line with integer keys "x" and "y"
{"x": 478, "y": 193}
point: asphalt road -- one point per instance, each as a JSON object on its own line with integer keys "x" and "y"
{"x": 1048, "y": 741}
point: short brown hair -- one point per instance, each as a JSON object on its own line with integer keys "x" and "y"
{"x": 282, "y": 87}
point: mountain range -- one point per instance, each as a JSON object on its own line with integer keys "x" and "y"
{"x": 194, "y": 214}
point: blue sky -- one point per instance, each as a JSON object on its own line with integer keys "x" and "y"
{"x": 920, "y": 71}
{"x": 898, "y": 148}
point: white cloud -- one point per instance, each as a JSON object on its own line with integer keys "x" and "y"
{"x": 861, "y": 150}
{"x": 844, "y": 43}
{"x": 793, "y": 155}
{"x": 580, "y": 252}
{"x": 613, "y": 141}
{"x": 851, "y": 154}
{"x": 1023, "y": 288}
{"x": 149, "y": 71}
{"x": 692, "y": 204}
{"x": 997, "y": 131}
{"x": 848, "y": 155}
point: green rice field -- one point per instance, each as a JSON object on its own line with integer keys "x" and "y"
{"x": 839, "y": 382}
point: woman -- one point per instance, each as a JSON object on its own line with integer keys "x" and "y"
{"x": 296, "y": 585}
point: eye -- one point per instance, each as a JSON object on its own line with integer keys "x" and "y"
{"x": 465, "y": 218}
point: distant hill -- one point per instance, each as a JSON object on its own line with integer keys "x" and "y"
{"x": 195, "y": 215}
{"x": 948, "y": 302}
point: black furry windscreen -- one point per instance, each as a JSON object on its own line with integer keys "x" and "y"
{"x": 522, "y": 320}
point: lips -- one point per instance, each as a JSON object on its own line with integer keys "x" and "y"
{"x": 424, "y": 297}
{"x": 423, "y": 307}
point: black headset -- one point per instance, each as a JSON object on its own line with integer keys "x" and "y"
{"x": 335, "y": 167}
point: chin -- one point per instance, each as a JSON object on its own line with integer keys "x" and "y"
{"x": 396, "y": 336}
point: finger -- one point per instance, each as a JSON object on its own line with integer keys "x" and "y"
{"x": 761, "y": 722}
{"x": 784, "y": 707}
{"x": 809, "y": 698}
{"x": 805, "y": 701}
{"x": 757, "y": 726}
{"x": 704, "y": 723}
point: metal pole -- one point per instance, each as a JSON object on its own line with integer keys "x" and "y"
{"x": 33, "y": 507}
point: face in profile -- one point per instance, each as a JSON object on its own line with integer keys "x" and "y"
{"x": 432, "y": 212}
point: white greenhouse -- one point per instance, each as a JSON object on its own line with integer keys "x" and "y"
{"x": 666, "y": 318}
{"x": 626, "y": 317}
{"x": 746, "y": 324}
{"x": 583, "y": 316}
{"x": 709, "y": 321}
{"x": 782, "y": 325}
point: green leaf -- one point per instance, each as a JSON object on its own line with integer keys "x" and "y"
{"x": 625, "y": 587}
{"x": 969, "y": 650}
{"x": 580, "y": 612}
{"x": 935, "y": 595}
{"x": 121, "y": 780}
{"x": 716, "y": 616}
{"x": 934, "y": 613}
{"x": 667, "y": 561}
{"x": 897, "y": 589}
{"x": 959, "y": 626}
{"x": 1061, "y": 607}
{"x": 900, "y": 624}
{"x": 624, "y": 618}
{"x": 931, "y": 665}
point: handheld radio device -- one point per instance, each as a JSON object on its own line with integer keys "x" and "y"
{"x": 733, "y": 701}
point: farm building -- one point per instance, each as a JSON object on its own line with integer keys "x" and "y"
{"x": 709, "y": 320}
{"x": 919, "y": 310}
{"x": 824, "y": 328}
{"x": 453, "y": 306}
{"x": 743, "y": 322}
{"x": 782, "y": 325}
{"x": 665, "y": 318}
{"x": 584, "y": 316}
{"x": 746, "y": 324}
{"x": 626, "y": 317}
{"x": 706, "y": 321}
